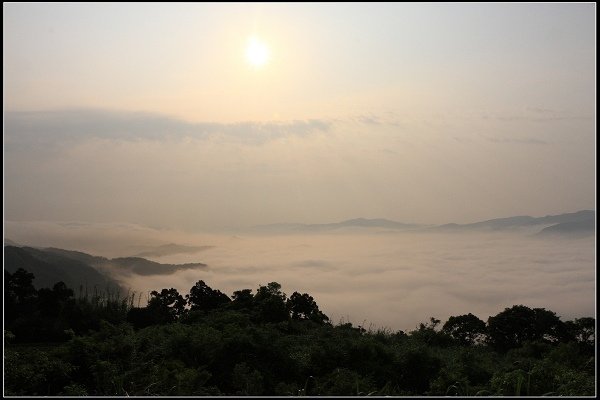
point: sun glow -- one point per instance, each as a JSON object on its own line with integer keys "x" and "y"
{"x": 257, "y": 52}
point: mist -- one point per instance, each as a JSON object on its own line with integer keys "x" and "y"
{"x": 154, "y": 170}
{"x": 371, "y": 278}
{"x": 396, "y": 162}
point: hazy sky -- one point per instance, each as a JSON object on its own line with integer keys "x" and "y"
{"x": 150, "y": 113}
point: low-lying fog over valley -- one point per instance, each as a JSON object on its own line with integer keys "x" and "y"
{"x": 392, "y": 179}
{"x": 368, "y": 272}
{"x": 170, "y": 171}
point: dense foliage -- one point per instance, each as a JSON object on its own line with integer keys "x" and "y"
{"x": 206, "y": 343}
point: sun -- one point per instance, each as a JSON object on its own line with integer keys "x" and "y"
{"x": 257, "y": 52}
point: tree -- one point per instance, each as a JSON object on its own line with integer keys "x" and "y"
{"x": 246, "y": 381}
{"x": 243, "y": 298}
{"x": 164, "y": 307}
{"x": 51, "y": 302}
{"x": 19, "y": 286}
{"x": 55, "y": 312}
{"x": 428, "y": 334}
{"x": 518, "y": 324}
{"x": 582, "y": 330}
{"x": 203, "y": 298}
{"x": 19, "y": 294}
{"x": 168, "y": 304}
{"x": 304, "y": 307}
{"x": 273, "y": 289}
{"x": 270, "y": 301}
{"x": 548, "y": 327}
{"x": 466, "y": 329}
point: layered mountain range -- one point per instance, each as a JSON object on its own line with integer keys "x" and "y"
{"x": 580, "y": 222}
{"x": 78, "y": 269}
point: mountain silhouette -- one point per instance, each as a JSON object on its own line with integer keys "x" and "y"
{"x": 351, "y": 223}
{"x": 580, "y": 217}
{"x": 49, "y": 268}
{"x": 571, "y": 228}
{"x": 76, "y": 268}
{"x": 576, "y": 221}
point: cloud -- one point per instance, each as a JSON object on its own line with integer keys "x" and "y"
{"x": 318, "y": 264}
{"x": 368, "y": 119}
{"x": 515, "y": 140}
{"x": 56, "y": 127}
{"x": 170, "y": 249}
{"x": 539, "y": 110}
{"x": 535, "y": 114}
{"x": 106, "y": 239}
{"x": 374, "y": 120}
{"x": 394, "y": 280}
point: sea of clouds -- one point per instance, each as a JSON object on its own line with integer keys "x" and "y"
{"x": 376, "y": 279}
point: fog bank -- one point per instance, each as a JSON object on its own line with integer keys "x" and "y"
{"x": 393, "y": 280}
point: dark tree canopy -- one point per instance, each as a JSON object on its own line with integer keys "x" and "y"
{"x": 203, "y": 297}
{"x": 466, "y": 329}
{"x": 267, "y": 345}
{"x": 169, "y": 304}
{"x": 548, "y": 327}
{"x": 273, "y": 289}
{"x": 583, "y": 330}
{"x": 242, "y": 298}
{"x": 270, "y": 301}
{"x": 164, "y": 307}
{"x": 19, "y": 285}
{"x": 19, "y": 293}
{"x": 51, "y": 301}
{"x": 514, "y": 326}
{"x": 304, "y": 307}
{"x": 428, "y": 333}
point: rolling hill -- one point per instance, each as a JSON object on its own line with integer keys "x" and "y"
{"x": 50, "y": 268}
{"x": 75, "y": 268}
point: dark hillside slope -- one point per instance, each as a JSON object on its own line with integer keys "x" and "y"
{"x": 50, "y": 268}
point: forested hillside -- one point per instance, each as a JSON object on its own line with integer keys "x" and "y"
{"x": 50, "y": 267}
{"x": 58, "y": 343}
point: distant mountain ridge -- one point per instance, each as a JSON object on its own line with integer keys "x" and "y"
{"x": 576, "y": 221}
{"x": 351, "y": 223}
{"x": 577, "y": 228}
{"x": 525, "y": 221}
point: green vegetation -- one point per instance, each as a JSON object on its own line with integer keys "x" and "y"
{"x": 206, "y": 343}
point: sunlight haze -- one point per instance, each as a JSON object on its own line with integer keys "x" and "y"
{"x": 359, "y": 110}
{"x": 199, "y": 124}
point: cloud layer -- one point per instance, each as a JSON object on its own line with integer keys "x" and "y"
{"x": 56, "y": 127}
{"x": 395, "y": 280}
{"x": 153, "y": 169}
